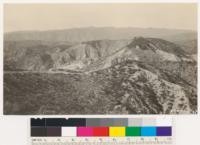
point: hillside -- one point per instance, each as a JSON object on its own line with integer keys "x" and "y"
{"x": 140, "y": 75}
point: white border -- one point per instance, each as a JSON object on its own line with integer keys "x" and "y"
{"x": 99, "y": 1}
{"x": 78, "y": 2}
{"x": 187, "y": 126}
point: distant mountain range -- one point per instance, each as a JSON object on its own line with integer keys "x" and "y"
{"x": 86, "y": 67}
{"x": 100, "y": 33}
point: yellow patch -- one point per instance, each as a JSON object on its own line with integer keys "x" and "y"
{"x": 117, "y": 131}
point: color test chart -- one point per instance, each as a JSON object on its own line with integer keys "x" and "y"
{"x": 101, "y": 130}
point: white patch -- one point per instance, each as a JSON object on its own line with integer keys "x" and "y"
{"x": 167, "y": 56}
{"x": 73, "y": 66}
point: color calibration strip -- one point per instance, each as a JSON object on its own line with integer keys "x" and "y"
{"x": 101, "y": 127}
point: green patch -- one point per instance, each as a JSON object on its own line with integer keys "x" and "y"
{"x": 133, "y": 131}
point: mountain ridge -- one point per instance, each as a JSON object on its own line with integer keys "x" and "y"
{"x": 85, "y": 53}
{"x": 98, "y": 33}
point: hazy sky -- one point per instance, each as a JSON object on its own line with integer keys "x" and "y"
{"x": 19, "y": 17}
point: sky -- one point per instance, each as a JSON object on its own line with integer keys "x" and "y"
{"x": 21, "y": 17}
